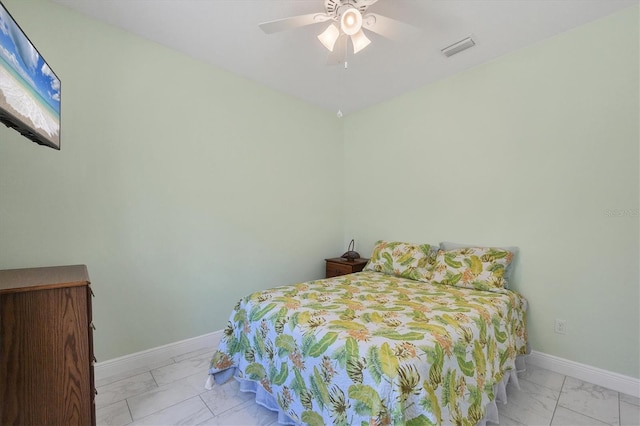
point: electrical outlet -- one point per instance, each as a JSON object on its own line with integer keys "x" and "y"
{"x": 561, "y": 326}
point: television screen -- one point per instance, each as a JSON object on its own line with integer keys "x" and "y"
{"x": 29, "y": 89}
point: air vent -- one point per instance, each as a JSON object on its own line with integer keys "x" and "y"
{"x": 458, "y": 47}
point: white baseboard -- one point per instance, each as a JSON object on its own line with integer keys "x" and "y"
{"x": 156, "y": 355}
{"x": 587, "y": 373}
{"x": 598, "y": 376}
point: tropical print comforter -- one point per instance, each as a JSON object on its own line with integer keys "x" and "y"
{"x": 370, "y": 348}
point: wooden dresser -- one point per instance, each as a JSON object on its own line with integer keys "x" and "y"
{"x": 46, "y": 347}
{"x": 340, "y": 266}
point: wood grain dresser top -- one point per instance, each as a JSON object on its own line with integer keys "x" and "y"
{"x": 30, "y": 279}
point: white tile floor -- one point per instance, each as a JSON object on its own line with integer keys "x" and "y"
{"x": 172, "y": 393}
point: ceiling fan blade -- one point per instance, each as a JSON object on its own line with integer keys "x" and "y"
{"x": 293, "y": 22}
{"x": 387, "y": 27}
{"x": 339, "y": 53}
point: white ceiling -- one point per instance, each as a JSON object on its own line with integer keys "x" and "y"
{"x": 225, "y": 33}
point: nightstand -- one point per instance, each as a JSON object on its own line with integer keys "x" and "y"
{"x": 340, "y": 266}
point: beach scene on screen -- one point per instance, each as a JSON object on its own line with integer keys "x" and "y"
{"x": 29, "y": 90}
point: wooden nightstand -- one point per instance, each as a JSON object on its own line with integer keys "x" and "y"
{"x": 340, "y": 266}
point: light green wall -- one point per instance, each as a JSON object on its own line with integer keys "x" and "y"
{"x": 181, "y": 186}
{"x": 531, "y": 150}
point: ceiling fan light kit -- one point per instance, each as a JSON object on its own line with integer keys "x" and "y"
{"x": 329, "y": 37}
{"x": 360, "y": 41}
{"x": 351, "y": 21}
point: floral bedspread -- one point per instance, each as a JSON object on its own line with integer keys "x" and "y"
{"x": 370, "y": 348}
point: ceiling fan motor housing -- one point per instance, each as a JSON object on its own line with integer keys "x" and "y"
{"x": 336, "y": 8}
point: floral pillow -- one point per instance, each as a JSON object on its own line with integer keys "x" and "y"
{"x": 508, "y": 272}
{"x": 412, "y": 261}
{"x": 480, "y": 268}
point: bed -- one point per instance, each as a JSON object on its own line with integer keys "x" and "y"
{"x": 418, "y": 338}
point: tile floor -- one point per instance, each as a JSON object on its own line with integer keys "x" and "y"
{"x": 172, "y": 393}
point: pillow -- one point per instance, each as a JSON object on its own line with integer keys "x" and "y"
{"x": 508, "y": 273}
{"x": 406, "y": 260}
{"x": 479, "y": 268}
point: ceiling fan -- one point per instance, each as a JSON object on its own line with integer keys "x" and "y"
{"x": 348, "y": 19}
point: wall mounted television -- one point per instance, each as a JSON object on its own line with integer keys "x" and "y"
{"x": 29, "y": 89}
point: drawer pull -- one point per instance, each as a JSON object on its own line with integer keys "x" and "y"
{"x": 92, "y": 325}
{"x": 92, "y": 293}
